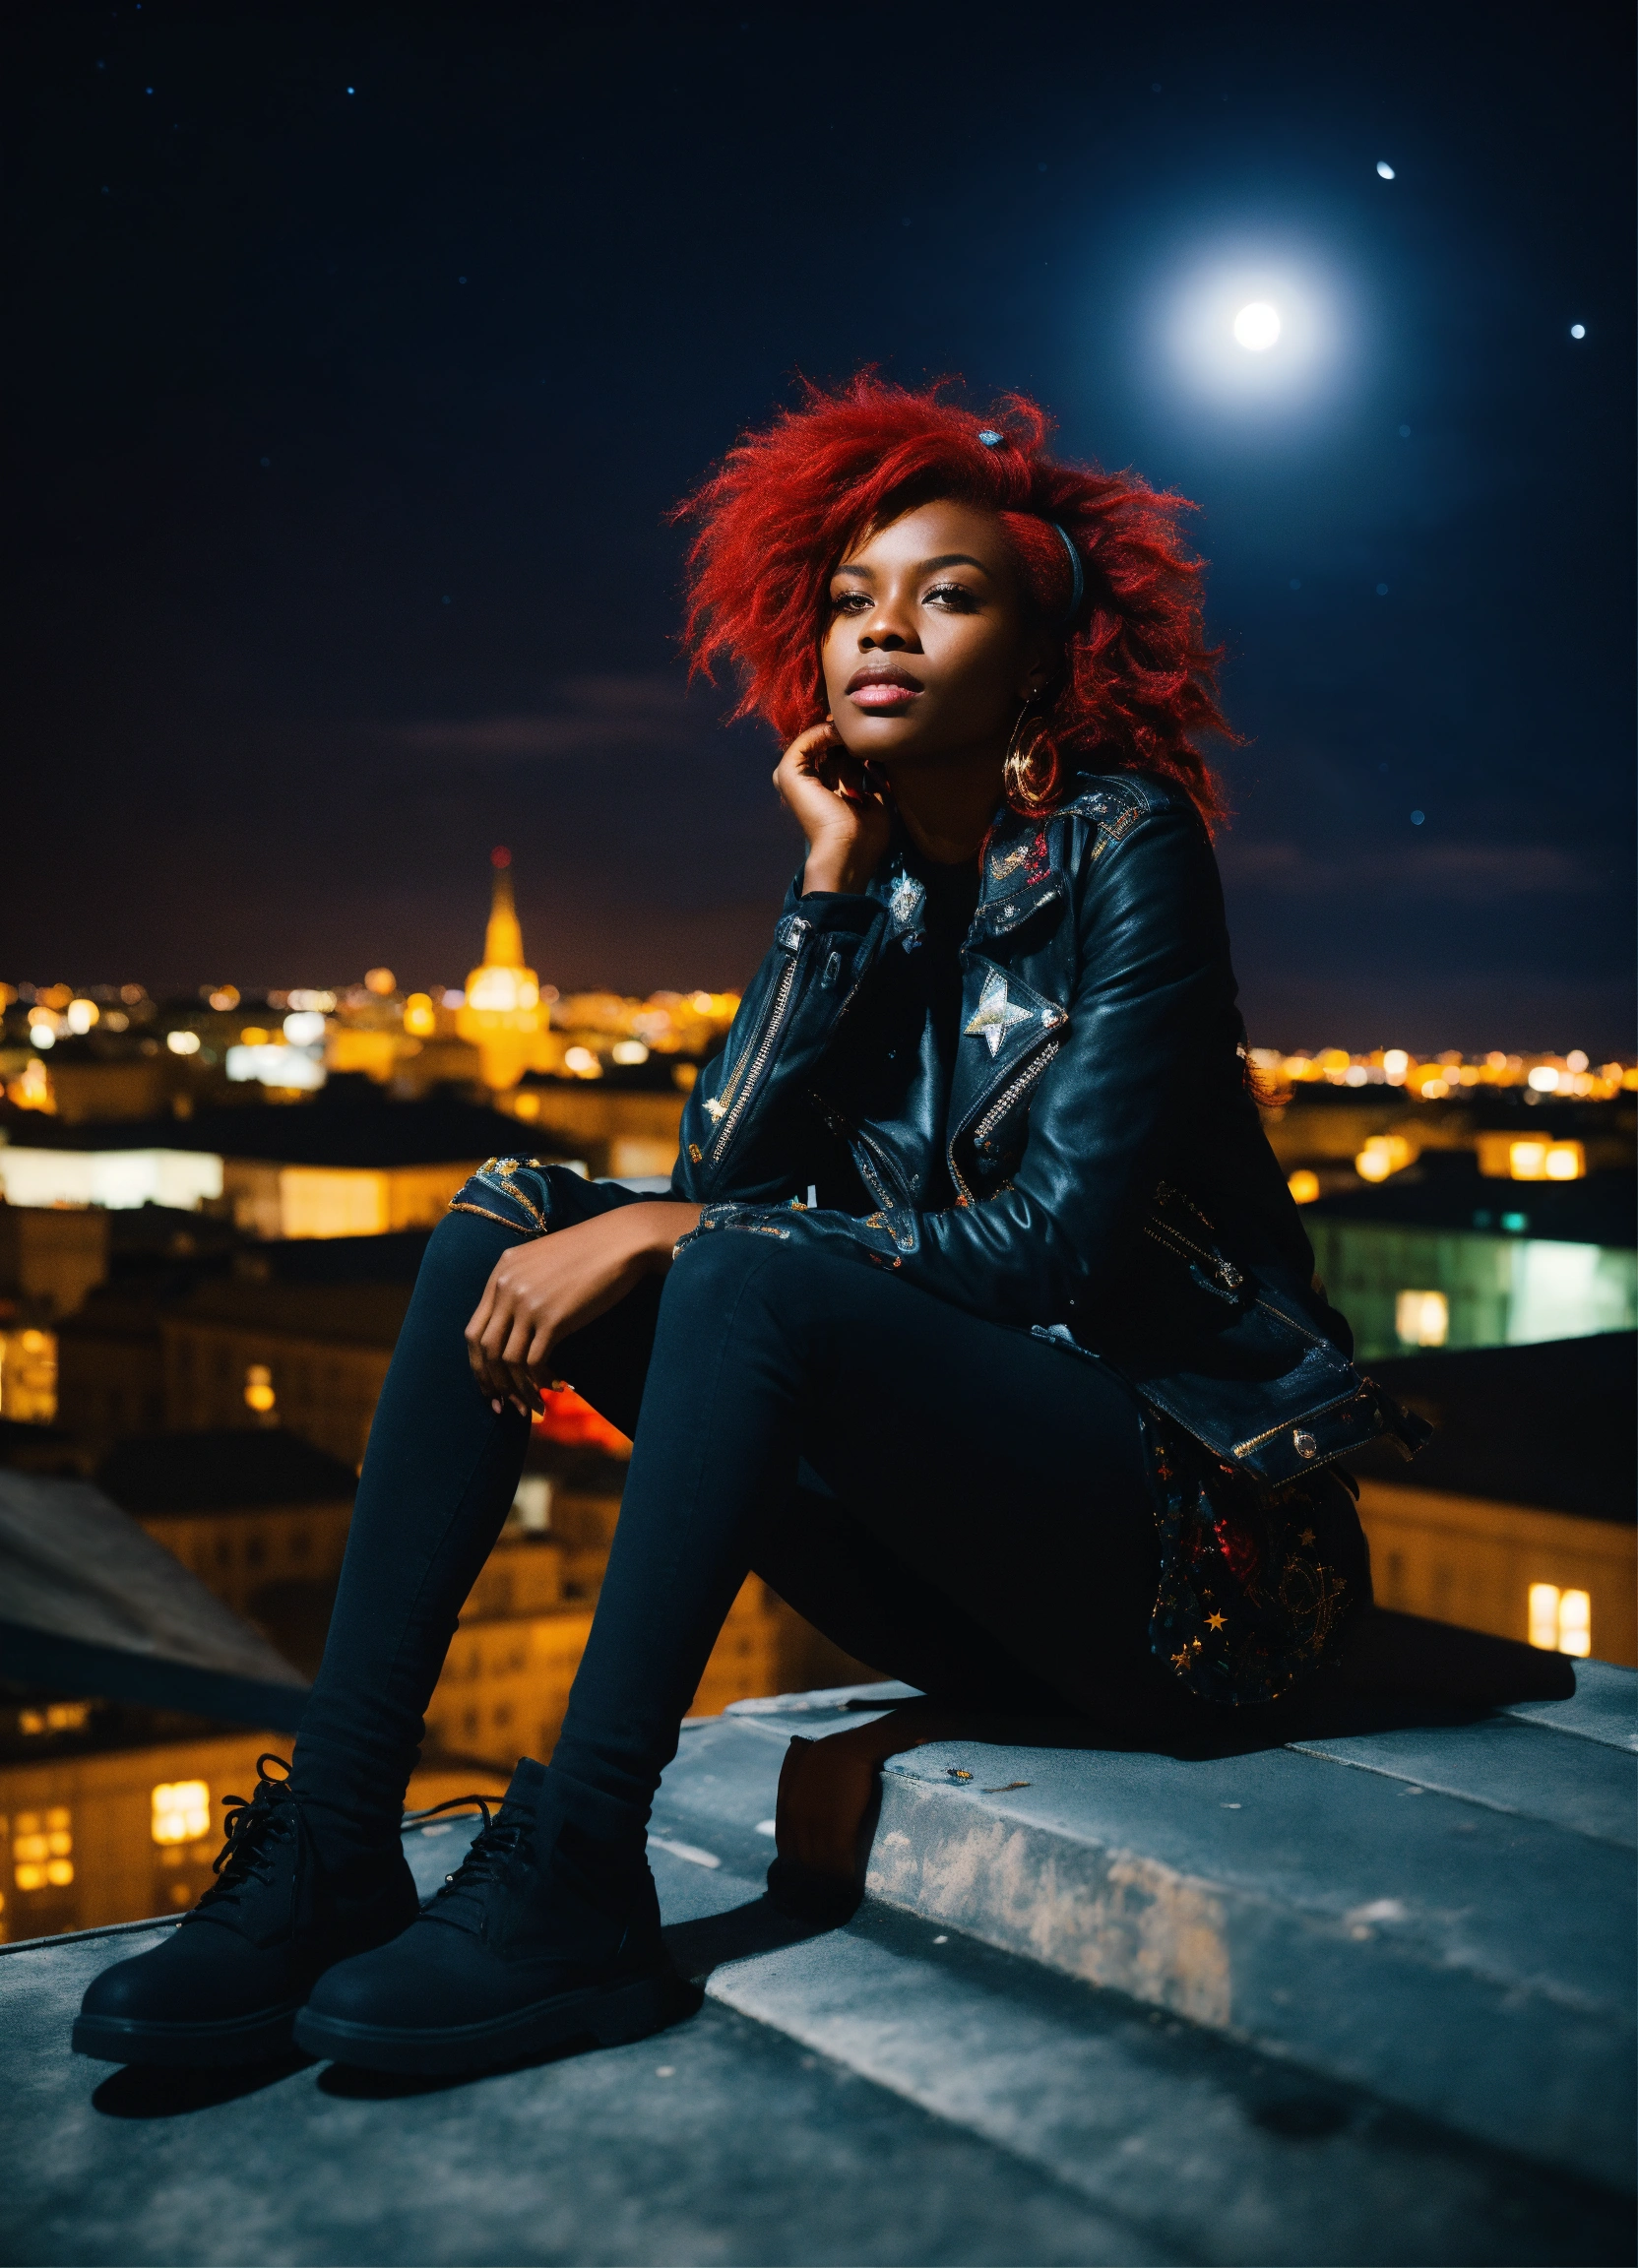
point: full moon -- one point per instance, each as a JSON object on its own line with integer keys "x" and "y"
{"x": 1257, "y": 327}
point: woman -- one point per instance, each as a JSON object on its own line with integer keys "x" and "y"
{"x": 975, "y": 1190}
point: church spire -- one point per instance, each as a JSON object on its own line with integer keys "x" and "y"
{"x": 503, "y": 943}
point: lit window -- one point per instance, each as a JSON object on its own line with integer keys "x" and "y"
{"x": 1421, "y": 1318}
{"x": 41, "y": 1849}
{"x": 1534, "y": 1159}
{"x": 1560, "y": 1621}
{"x": 181, "y": 1811}
{"x": 258, "y": 1389}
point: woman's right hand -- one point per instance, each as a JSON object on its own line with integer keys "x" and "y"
{"x": 845, "y": 816}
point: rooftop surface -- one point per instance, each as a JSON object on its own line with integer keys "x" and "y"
{"x": 1550, "y": 1424}
{"x": 353, "y": 1123}
{"x": 1366, "y": 1998}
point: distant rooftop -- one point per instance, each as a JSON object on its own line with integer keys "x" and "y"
{"x": 225, "y": 1469}
{"x": 1445, "y": 1189}
{"x": 1549, "y": 1425}
{"x": 348, "y": 1125}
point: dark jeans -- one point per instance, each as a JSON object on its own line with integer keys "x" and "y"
{"x": 989, "y": 1537}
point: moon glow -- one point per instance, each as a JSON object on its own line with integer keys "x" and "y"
{"x": 1257, "y": 327}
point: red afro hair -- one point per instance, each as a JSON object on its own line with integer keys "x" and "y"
{"x": 1138, "y": 685}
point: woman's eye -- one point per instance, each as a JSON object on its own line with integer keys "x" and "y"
{"x": 955, "y": 595}
{"x": 849, "y": 601}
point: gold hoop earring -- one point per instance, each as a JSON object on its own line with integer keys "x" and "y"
{"x": 1030, "y": 768}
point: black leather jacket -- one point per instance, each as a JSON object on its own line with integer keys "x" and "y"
{"x": 1101, "y": 1056}
{"x": 1092, "y": 1167}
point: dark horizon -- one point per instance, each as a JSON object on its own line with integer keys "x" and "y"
{"x": 346, "y": 425}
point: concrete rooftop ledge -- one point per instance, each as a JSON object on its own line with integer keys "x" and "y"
{"x": 1443, "y": 1915}
{"x": 1367, "y": 2000}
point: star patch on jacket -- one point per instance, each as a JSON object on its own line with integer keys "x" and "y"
{"x": 997, "y": 1013}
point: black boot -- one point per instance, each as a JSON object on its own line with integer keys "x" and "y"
{"x": 548, "y": 1932}
{"x": 226, "y": 1985}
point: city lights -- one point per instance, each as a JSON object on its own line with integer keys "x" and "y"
{"x": 305, "y": 1027}
{"x": 1530, "y": 1158}
{"x": 183, "y": 1042}
{"x": 259, "y": 1393}
{"x": 296, "y": 1070}
{"x": 1382, "y": 1155}
{"x": 80, "y": 1015}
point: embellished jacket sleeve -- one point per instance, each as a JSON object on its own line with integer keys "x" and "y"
{"x": 1073, "y": 1068}
{"x": 747, "y": 1125}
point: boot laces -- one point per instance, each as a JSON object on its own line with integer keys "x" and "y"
{"x": 252, "y": 1823}
{"x": 498, "y": 1842}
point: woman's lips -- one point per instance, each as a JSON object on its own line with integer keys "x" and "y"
{"x": 884, "y": 694}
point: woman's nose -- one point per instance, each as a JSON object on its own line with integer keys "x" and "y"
{"x": 887, "y": 633}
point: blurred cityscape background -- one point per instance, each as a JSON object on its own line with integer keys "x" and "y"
{"x": 214, "y": 1210}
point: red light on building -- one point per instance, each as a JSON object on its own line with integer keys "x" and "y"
{"x": 567, "y": 1419}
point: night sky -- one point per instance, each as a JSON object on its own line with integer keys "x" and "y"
{"x": 356, "y": 357}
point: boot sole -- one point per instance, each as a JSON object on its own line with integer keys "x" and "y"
{"x": 259, "y": 2039}
{"x": 612, "y": 2015}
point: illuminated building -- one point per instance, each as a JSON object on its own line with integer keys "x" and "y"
{"x": 96, "y": 1835}
{"x": 503, "y": 1012}
{"x": 250, "y": 1515}
{"x": 1518, "y": 1517}
{"x": 325, "y": 1349}
{"x": 116, "y": 1180}
{"x": 269, "y": 1200}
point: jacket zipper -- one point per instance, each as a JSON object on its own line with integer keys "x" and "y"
{"x": 756, "y": 1058}
{"x": 1164, "y": 1233}
{"x": 998, "y": 1109}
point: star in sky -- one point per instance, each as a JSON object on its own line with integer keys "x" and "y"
{"x": 997, "y": 1013}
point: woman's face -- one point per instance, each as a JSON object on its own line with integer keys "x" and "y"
{"x": 930, "y": 647}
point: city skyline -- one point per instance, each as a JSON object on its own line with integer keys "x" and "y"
{"x": 362, "y": 369}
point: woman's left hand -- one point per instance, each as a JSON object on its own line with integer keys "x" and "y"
{"x": 545, "y": 1290}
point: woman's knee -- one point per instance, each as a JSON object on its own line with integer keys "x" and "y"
{"x": 739, "y": 1271}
